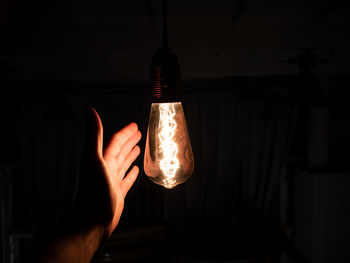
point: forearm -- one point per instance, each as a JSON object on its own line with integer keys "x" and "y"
{"x": 76, "y": 247}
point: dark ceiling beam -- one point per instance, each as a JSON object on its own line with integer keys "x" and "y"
{"x": 238, "y": 11}
{"x": 327, "y": 7}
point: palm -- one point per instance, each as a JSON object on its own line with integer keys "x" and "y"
{"x": 104, "y": 174}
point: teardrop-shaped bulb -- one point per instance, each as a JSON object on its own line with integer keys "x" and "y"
{"x": 168, "y": 157}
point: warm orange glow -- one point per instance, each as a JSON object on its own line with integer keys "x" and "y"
{"x": 168, "y": 159}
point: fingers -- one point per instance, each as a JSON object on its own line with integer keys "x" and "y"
{"x": 119, "y": 139}
{"x": 94, "y": 134}
{"x": 129, "y": 159}
{"x": 127, "y": 147}
{"x": 129, "y": 180}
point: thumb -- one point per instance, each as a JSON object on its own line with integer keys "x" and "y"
{"x": 93, "y": 134}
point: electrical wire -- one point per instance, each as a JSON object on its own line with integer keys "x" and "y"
{"x": 164, "y": 24}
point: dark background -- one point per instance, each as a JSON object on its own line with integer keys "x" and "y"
{"x": 264, "y": 90}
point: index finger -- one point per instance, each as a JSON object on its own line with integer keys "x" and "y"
{"x": 119, "y": 138}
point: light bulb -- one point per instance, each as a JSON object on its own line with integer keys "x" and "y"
{"x": 168, "y": 159}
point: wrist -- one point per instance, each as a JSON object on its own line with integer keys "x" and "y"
{"x": 80, "y": 244}
{"x": 95, "y": 235}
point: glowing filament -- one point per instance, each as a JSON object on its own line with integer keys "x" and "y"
{"x": 167, "y": 127}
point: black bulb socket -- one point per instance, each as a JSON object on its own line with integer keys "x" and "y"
{"x": 165, "y": 77}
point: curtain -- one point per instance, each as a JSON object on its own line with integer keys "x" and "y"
{"x": 240, "y": 155}
{"x": 240, "y": 158}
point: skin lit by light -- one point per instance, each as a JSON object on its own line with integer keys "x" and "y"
{"x": 167, "y": 127}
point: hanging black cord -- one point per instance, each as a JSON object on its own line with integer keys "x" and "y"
{"x": 165, "y": 70}
{"x": 164, "y": 23}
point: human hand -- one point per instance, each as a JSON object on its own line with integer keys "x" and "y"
{"x": 103, "y": 184}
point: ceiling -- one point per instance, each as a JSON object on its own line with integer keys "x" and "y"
{"x": 116, "y": 39}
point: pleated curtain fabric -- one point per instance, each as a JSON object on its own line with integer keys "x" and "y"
{"x": 239, "y": 157}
